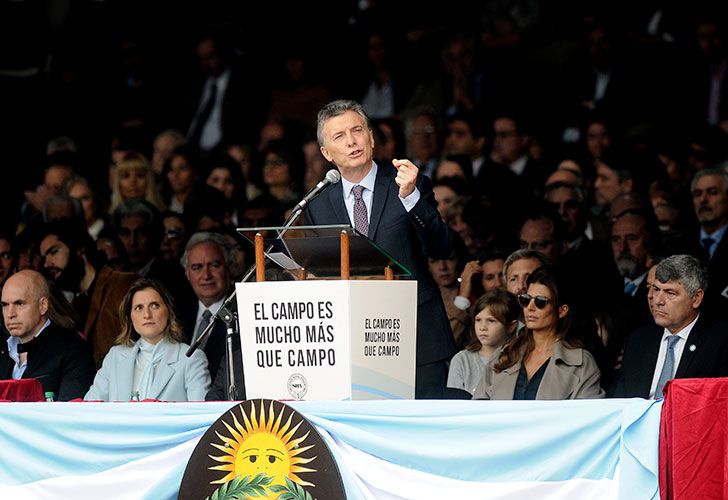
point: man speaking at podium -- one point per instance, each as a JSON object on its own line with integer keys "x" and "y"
{"x": 395, "y": 208}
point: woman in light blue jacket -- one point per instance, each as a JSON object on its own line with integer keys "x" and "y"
{"x": 148, "y": 360}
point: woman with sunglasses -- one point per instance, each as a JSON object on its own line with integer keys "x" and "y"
{"x": 543, "y": 361}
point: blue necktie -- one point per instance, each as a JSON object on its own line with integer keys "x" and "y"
{"x": 204, "y": 321}
{"x": 667, "y": 367}
{"x": 707, "y": 245}
{"x": 629, "y": 288}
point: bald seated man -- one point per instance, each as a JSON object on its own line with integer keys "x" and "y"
{"x": 60, "y": 359}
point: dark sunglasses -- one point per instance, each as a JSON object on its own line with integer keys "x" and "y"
{"x": 524, "y": 299}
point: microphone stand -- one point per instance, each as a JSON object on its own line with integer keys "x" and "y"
{"x": 226, "y": 314}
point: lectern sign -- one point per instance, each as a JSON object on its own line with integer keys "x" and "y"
{"x": 327, "y": 339}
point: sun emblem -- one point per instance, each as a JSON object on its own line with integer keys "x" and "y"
{"x": 264, "y": 450}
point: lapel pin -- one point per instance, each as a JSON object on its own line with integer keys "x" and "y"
{"x": 692, "y": 347}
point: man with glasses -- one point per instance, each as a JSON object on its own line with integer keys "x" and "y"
{"x": 511, "y": 143}
{"x": 423, "y": 141}
{"x": 138, "y": 224}
{"x": 71, "y": 260}
{"x": 543, "y": 231}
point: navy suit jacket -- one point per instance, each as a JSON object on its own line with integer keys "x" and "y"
{"x": 708, "y": 359}
{"x": 59, "y": 359}
{"x": 410, "y": 238}
{"x": 216, "y": 342}
{"x": 715, "y": 300}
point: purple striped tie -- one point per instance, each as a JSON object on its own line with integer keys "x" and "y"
{"x": 361, "y": 221}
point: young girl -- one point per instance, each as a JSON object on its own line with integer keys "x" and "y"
{"x": 494, "y": 319}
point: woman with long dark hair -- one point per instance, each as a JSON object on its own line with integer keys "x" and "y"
{"x": 544, "y": 361}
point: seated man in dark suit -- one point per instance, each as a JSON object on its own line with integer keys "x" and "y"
{"x": 220, "y": 389}
{"x": 206, "y": 262}
{"x": 394, "y": 207}
{"x": 37, "y": 348}
{"x": 710, "y": 201}
{"x": 682, "y": 343}
{"x": 635, "y": 238}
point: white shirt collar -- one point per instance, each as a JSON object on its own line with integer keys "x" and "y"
{"x": 368, "y": 182}
{"x": 518, "y": 166}
{"x": 13, "y": 343}
{"x": 214, "y": 308}
{"x": 684, "y": 333}
{"x": 221, "y": 83}
{"x": 637, "y": 281}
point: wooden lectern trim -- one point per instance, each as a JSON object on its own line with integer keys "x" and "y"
{"x": 259, "y": 258}
{"x": 345, "y": 262}
{"x": 388, "y": 273}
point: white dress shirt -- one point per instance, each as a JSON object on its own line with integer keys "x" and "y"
{"x": 212, "y": 131}
{"x": 214, "y": 308}
{"x": 717, "y": 235}
{"x": 368, "y": 194}
{"x": 518, "y": 166}
{"x": 19, "y": 369}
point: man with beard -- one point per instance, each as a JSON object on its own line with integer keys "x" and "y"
{"x": 632, "y": 249}
{"x": 71, "y": 260}
{"x": 710, "y": 200}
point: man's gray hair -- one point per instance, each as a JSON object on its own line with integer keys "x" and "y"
{"x": 550, "y": 188}
{"x": 521, "y": 254}
{"x": 686, "y": 270}
{"x": 135, "y": 206}
{"x": 336, "y": 108}
{"x": 206, "y": 237}
{"x": 716, "y": 171}
{"x": 62, "y": 199}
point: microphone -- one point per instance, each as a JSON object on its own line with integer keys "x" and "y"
{"x": 332, "y": 177}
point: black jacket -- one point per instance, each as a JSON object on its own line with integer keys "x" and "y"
{"x": 705, "y": 355}
{"x": 59, "y": 359}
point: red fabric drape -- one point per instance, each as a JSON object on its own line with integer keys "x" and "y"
{"x": 694, "y": 440}
{"x": 21, "y": 390}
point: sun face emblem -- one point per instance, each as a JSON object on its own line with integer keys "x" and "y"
{"x": 261, "y": 445}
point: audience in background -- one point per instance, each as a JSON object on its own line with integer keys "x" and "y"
{"x": 615, "y": 141}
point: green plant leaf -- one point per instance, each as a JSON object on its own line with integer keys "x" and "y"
{"x": 239, "y": 488}
{"x": 290, "y": 491}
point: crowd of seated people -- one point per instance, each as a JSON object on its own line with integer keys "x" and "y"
{"x": 581, "y": 165}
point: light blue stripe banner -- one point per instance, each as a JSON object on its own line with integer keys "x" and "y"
{"x": 479, "y": 441}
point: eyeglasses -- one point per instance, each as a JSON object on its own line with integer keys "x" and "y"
{"x": 525, "y": 300}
